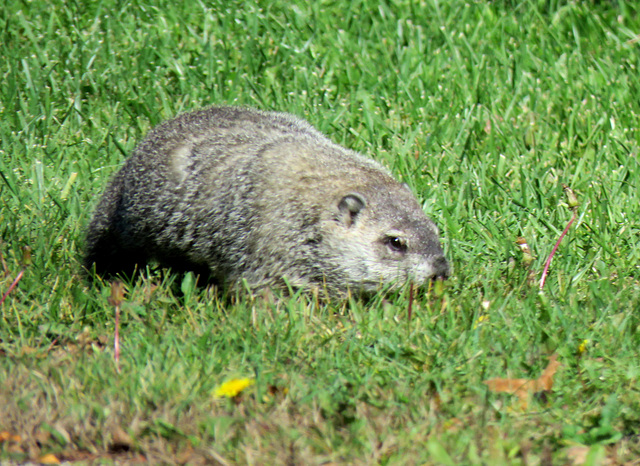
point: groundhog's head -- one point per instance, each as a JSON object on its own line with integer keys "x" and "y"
{"x": 382, "y": 238}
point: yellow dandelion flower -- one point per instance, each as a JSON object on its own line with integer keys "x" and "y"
{"x": 232, "y": 387}
{"x": 481, "y": 319}
{"x": 583, "y": 346}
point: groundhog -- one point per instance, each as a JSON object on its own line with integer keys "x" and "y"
{"x": 264, "y": 199}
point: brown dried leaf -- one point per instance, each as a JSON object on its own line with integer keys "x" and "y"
{"x": 524, "y": 388}
{"x": 48, "y": 459}
{"x": 518, "y": 387}
{"x": 190, "y": 456}
{"x": 120, "y": 440}
{"x": 577, "y": 454}
{"x": 545, "y": 381}
{"x": 6, "y": 436}
{"x": 71, "y": 456}
{"x": 15, "y": 448}
{"x": 41, "y": 436}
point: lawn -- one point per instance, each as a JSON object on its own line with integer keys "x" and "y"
{"x": 485, "y": 109}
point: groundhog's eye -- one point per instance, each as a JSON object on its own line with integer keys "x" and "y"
{"x": 396, "y": 244}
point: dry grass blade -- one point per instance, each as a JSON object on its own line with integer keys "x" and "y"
{"x": 26, "y": 260}
{"x": 572, "y": 201}
{"x": 116, "y": 298}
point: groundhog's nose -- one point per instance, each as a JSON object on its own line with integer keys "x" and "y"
{"x": 440, "y": 268}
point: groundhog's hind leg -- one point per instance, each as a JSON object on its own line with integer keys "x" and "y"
{"x": 108, "y": 258}
{"x": 105, "y": 251}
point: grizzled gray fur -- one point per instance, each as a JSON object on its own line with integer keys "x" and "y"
{"x": 238, "y": 193}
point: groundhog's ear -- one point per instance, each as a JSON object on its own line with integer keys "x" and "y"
{"x": 350, "y": 206}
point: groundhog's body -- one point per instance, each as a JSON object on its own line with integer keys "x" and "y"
{"x": 244, "y": 194}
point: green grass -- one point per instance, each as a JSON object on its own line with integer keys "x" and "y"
{"x": 484, "y": 109}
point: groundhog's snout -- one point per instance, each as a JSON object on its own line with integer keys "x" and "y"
{"x": 441, "y": 269}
